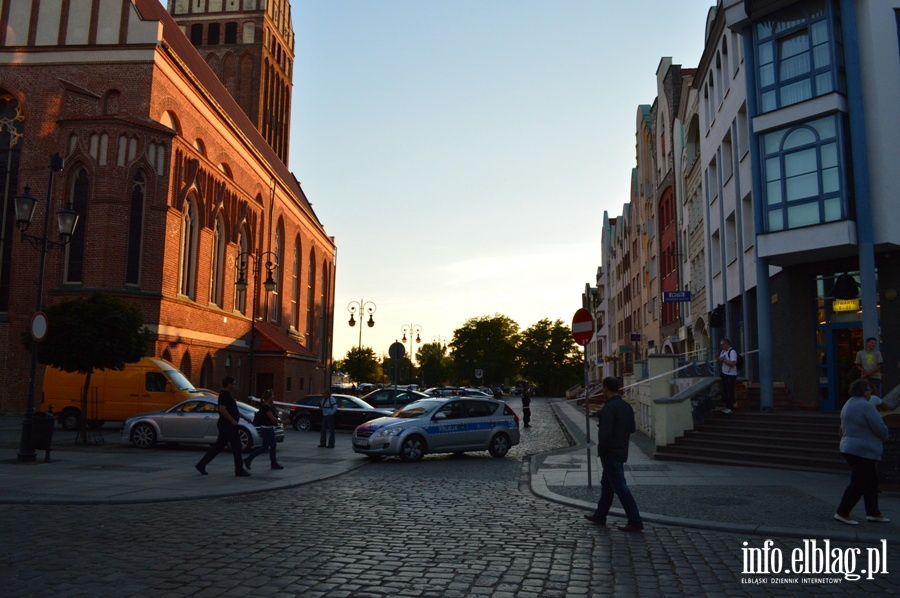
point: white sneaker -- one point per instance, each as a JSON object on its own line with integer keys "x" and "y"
{"x": 726, "y": 410}
{"x": 878, "y": 519}
{"x": 846, "y": 520}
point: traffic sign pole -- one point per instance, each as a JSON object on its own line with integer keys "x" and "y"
{"x": 583, "y": 332}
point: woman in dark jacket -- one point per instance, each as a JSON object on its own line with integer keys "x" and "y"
{"x": 265, "y": 420}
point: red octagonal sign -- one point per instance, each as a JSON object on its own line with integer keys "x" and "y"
{"x": 582, "y": 327}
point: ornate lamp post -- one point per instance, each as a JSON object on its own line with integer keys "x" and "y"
{"x": 242, "y": 262}
{"x": 360, "y": 307}
{"x": 440, "y": 341}
{"x": 412, "y": 329}
{"x": 67, "y": 218}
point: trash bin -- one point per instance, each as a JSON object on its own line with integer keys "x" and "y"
{"x": 42, "y": 425}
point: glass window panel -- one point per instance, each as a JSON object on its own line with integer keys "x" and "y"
{"x": 796, "y": 92}
{"x": 773, "y": 193}
{"x": 825, "y": 127}
{"x": 832, "y": 209}
{"x": 802, "y": 187}
{"x": 821, "y": 56}
{"x": 773, "y": 142}
{"x": 793, "y": 45}
{"x": 819, "y": 32}
{"x": 767, "y": 75}
{"x": 829, "y": 155}
{"x": 799, "y": 137}
{"x": 796, "y": 66}
{"x": 800, "y": 163}
{"x": 803, "y": 215}
{"x": 764, "y": 30}
{"x": 831, "y": 180}
{"x": 824, "y": 83}
{"x": 767, "y": 101}
{"x": 766, "y": 53}
{"x": 776, "y": 220}
{"x": 773, "y": 169}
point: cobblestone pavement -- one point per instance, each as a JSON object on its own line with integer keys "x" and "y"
{"x": 465, "y": 526}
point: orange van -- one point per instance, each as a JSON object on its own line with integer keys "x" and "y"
{"x": 150, "y": 384}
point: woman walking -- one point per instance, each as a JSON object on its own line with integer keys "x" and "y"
{"x": 863, "y": 432}
{"x": 266, "y": 419}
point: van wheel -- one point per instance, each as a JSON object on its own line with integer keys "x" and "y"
{"x": 500, "y": 445}
{"x": 70, "y": 419}
{"x": 143, "y": 436}
{"x": 246, "y": 440}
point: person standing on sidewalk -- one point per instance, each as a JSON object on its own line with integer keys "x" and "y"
{"x": 526, "y": 406}
{"x": 614, "y": 428}
{"x": 868, "y": 362}
{"x": 728, "y": 360}
{"x": 266, "y": 419}
{"x": 228, "y": 424}
{"x": 329, "y": 410}
{"x": 863, "y": 433}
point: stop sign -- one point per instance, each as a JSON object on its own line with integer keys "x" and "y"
{"x": 582, "y": 327}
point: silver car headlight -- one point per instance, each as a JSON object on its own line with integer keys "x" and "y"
{"x": 388, "y": 433}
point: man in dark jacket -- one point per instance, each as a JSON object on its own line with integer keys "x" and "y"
{"x": 613, "y": 430}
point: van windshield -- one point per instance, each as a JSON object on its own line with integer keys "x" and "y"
{"x": 178, "y": 380}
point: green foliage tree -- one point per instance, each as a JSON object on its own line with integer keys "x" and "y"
{"x": 433, "y": 362}
{"x": 362, "y": 365}
{"x": 549, "y": 357}
{"x": 406, "y": 373}
{"x": 99, "y": 332}
{"x": 486, "y": 343}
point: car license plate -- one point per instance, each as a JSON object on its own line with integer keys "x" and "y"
{"x": 360, "y": 442}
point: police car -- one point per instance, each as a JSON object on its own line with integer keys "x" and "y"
{"x": 440, "y": 425}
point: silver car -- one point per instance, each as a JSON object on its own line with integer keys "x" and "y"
{"x": 440, "y": 425}
{"x": 193, "y": 421}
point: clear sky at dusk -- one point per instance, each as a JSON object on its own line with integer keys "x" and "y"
{"x": 462, "y": 152}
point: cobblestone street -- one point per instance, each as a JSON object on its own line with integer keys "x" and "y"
{"x": 447, "y": 526}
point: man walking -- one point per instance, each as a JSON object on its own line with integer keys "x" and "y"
{"x": 728, "y": 360}
{"x": 613, "y": 430}
{"x": 329, "y": 409}
{"x": 228, "y": 425}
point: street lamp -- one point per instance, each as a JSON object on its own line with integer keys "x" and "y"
{"x": 67, "y": 218}
{"x": 242, "y": 263}
{"x": 440, "y": 340}
{"x": 360, "y": 307}
{"x": 412, "y": 329}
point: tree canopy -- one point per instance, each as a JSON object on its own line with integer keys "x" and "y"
{"x": 549, "y": 357}
{"x": 487, "y": 343}
{"x": 362, "y": 365}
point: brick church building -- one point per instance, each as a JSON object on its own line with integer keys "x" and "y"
{"x": 174, "y": 133}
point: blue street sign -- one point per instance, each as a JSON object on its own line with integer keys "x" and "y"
{"x": 676, "y": 296}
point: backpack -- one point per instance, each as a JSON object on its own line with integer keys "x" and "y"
{"x": 739, "y": 362}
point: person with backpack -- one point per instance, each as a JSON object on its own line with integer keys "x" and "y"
{"x": 728, "y": 359}
{"x": 329, "y": 408}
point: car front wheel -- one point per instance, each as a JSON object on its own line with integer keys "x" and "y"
{"x": 303, "y": 423}
{"x": 143, "y": 436}
{"x": 500, "y": 445}
{"x": 246, "y": 439}
{"x": 412, "y": 449}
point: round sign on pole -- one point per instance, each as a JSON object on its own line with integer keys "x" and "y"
{"x": 397, "y": 351}
{"x": 39, "y": 326}
{"x": 582, "y": 327}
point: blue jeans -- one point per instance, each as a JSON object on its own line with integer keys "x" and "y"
{"x": 612, "y": 482}
{"x": 327, "y": 430}
{"x": 268, "y": 444}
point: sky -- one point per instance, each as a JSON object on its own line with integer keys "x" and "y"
{"x": 463, "y": 152}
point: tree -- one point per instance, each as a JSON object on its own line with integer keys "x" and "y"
{"x": 433, "y": 362}
{"x": 99, "y": 332}
{"x": 485, "y": 343}
{"x": 405, "y": 373}
{"x": 549, "y": 357}
{"x": 362, "y": 365}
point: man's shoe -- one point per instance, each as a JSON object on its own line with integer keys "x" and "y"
{"x": 330, "y": 446}
{"x": 247, "y": 463}
{"x": 277, "y": 466}
{"x": 631, "y": 528}
{"x": 846, "y": 520}
{"x": 595, "y": 519}
{"x": 878, "y": 518}
{"x": 321, "y": 446}
{"x": 242, "y": 474}
{"x": 201, "y": 469}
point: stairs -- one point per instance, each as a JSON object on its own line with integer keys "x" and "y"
{"x": 798, "y": 440}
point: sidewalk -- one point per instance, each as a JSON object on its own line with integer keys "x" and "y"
{"x": 744, "y": 500}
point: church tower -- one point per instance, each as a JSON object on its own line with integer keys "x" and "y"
{"x": 249, "y": 44}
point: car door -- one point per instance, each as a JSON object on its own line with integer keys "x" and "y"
{"x": 349, "y": 414}
{"x": 192, "y": 421}
{"x": 477, "y": 423}
{"x": 445, "y": 433}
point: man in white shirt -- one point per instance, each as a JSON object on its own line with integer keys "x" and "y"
{"x": 728, "y": 360}
{"x": 329, "y": 409}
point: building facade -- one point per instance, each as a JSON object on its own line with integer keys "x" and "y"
{"x": 179, "y": 197}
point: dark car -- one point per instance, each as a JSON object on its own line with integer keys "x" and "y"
{"x": 393, "y": 397}
{"x": 306, "y": 414}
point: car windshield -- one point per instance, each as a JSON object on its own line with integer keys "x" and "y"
{"x": 418, "y": 409}
{"x": 178, "y": 380}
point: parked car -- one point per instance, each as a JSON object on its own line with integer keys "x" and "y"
{"x": 193, "y": 421}
{"x": 393, "y": 397}
{"x": 306, "y": 414}
{"x": 440, "y": 425}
